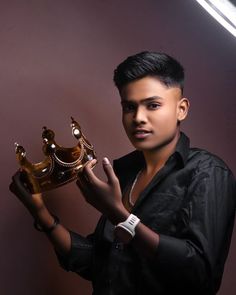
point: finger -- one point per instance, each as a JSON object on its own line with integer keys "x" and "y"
{"x": 12, "y": 187}
{"x": 20, "y": 182}
{"x": 88, "y": 172}
{"x": 90, "y": 164}
{"x": 108, "y": 169}
{"x": 16, "y": 176}
{"x": 17, "y": 180}
{"x": 82, "y": 188}
{"x": 80, "y": 172}
{"x": 81, "y": 178}
{"x": 80, "y": 182}
{"x": 16, "y": 190}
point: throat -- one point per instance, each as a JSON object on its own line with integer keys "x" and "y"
{"x": 155, "y": 159}
{"x": 141, "y": 181}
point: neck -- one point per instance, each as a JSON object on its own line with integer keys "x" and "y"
{"x": 156, "y": 159}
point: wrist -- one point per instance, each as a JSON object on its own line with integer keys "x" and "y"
{"x": 43, "y": 217}
{"x": 125, "y": 230}
{"x": 47, "y": 228}
{"x": 119, "y": 215}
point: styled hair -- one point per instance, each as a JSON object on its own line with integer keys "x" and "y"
{"x": 160, "y": 65}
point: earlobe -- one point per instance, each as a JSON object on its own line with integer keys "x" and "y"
{"x": 183, "y": 107}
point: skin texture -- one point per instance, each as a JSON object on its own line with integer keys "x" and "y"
{"x": 151, "y": 106}
{"x": 151, "y": 116}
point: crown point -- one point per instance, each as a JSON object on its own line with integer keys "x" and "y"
{"x": 16, "y": 146}
{"x": 76, "y": 133}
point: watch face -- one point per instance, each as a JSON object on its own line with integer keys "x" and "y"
{"x": 122, "y": 235}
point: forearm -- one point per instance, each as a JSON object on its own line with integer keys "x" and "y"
{"x": 73, "y": 250}
{"x": 176, "y": 258}
{"x": 145, "y": 240}
{"x": 59, "y": 236}
{"x": 34, "y": 203}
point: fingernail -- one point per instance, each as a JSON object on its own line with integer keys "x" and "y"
{"x": 105, "y": 161}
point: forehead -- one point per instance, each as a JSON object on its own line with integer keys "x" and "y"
{"x": 148, "y": 87}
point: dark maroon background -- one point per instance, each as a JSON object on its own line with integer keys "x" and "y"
{"x": 57, "y": 60}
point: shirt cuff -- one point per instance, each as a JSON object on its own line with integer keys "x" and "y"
{"x": 79, "y": 258}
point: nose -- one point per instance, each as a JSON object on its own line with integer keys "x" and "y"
{"x": 140, "y": 116}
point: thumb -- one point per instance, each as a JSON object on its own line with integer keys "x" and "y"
{"x": 108, "y": 169}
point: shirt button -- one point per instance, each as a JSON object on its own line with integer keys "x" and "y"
{"x": 119, "y": 246}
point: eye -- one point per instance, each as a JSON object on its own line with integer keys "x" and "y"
{"x": 128, "y": 108}
{"x": 153, "y": 106}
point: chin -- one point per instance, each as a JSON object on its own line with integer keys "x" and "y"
{"x": 151, "y": 147}
{"x": 143, "y": 146}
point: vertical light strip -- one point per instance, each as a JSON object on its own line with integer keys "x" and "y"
{"x": 223, "y": 11}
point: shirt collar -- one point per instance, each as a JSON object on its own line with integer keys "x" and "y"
{"x": 182, "y": 149}
{"x": 134, "y": 161}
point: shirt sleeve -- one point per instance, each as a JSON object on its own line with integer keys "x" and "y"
{"x": 196, "y": 258}
{"x": 79, "y": 258}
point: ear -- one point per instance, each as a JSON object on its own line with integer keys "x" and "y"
{"x": 183, "y": 107}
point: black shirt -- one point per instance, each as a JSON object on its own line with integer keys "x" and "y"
{"x": 191, "y": 204}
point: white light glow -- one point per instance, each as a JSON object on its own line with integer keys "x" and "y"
{"x": 223, "y": 11}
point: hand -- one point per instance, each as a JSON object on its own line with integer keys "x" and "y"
{"x": 18, "y": 186}
{"x": 104, "y": 196}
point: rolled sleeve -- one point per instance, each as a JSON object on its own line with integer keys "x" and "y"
{"x": 181, "y": 261}
{"x": 79, "y": 258}
{"x": 196, "y": 257}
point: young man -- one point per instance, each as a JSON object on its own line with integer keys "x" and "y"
{"x": 167, "y": 209}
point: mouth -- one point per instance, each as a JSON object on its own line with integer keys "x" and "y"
{"x": 141, "y": 133}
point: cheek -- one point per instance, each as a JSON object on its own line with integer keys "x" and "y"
{"x": 167, "y": 118}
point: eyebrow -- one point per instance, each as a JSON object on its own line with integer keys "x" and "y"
{"x": 151, "y": 98}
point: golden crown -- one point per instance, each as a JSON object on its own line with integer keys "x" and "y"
{"x": 61, "y": 165}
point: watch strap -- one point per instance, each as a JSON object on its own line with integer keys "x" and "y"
{"x": 129, "y": 224}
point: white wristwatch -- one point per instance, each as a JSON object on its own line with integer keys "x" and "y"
{"x": 129, "y": 226}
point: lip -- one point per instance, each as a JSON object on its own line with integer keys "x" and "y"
{"x": 141, "y": 133}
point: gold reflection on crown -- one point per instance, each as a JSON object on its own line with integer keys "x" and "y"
{"x": 61, "y": 165}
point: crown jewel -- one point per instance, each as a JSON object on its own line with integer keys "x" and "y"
{"x": 61, "y": 165}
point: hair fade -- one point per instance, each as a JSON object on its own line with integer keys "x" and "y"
{"x": 160, "y": 65}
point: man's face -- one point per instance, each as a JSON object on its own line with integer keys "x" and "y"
{"x": 150, "y": 112}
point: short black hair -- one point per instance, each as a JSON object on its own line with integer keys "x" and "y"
{"x": 160, "y": 65}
